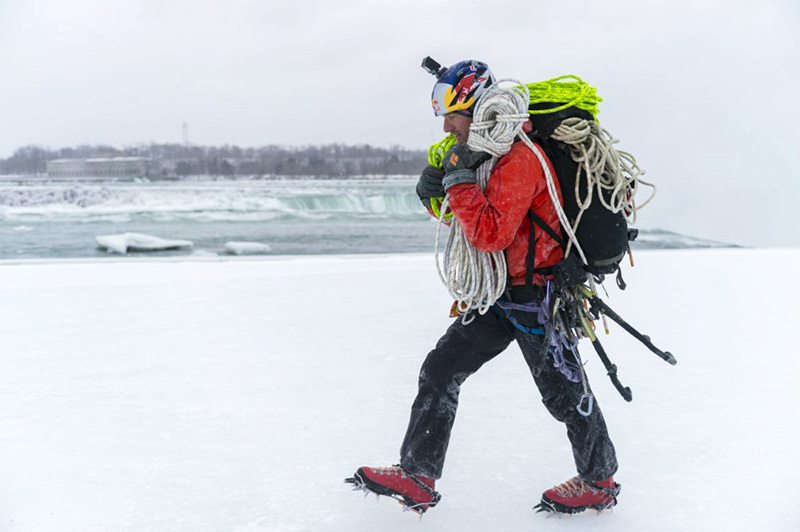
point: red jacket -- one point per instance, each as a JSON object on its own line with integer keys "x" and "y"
{"x": 496, "y": 218}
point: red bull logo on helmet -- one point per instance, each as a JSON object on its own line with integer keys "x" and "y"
{"x": 465, "y": 87}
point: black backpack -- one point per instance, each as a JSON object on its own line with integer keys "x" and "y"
{"x": 602, "y": 234}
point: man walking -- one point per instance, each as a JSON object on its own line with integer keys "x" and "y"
{"x": 497, "y": 218}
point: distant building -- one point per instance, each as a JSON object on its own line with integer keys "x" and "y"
{"x": 125, "y": 167}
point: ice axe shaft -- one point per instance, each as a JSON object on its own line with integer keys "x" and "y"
{"x": 624, "y": 391}
{"x": 598, "y": 305}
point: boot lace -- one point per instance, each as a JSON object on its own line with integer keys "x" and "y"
{"x": 391, "y": 470}
{"x": 574, "y": 487}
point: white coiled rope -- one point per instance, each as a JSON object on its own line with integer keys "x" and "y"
{"x": 477, "y": 279}
{"x": 474, "y": 278}
{"x": 613, "y": 173}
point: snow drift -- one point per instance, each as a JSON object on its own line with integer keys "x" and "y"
{"x": 247, "y": 248}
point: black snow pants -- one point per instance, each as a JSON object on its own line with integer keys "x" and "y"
{"x": 461, "y": 352}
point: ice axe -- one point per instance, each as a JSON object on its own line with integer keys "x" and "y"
{"x": 599, "y": 306}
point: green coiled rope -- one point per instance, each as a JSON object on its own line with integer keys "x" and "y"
{"x": 436, "y": 151}
{"x": 435, "y": 156}
{"x": 574, "y": 93}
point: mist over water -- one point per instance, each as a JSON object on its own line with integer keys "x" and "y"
{"x": 298, "y": 216}
{"x": 231, "y": 200}
{"x": 60, "y": 220}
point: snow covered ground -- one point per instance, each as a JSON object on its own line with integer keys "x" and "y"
{"x": 235, "y": 395}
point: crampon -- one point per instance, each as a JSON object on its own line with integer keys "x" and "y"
{"x": 577, "y": 495}
{"x": 413, "y": 492}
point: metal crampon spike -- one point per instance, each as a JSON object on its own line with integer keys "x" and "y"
{"x": 546, "y": 509}
{"x": 357, "y": 486}
{"x": 407, "y": 508}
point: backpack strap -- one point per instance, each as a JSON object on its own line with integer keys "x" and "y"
{"x": 530, "y": 259}
{"x": 535, "y": 218}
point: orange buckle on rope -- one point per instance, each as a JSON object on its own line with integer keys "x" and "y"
{"x": 456, "y": 311}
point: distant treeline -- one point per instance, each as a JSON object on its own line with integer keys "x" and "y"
{"x": 332, "y": 160}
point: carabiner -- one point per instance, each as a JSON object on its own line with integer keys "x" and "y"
{"x": 588, "y": 399}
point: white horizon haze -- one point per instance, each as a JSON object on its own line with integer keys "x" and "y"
{"x": 704, "y": 93}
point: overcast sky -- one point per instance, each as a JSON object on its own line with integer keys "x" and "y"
{"x": 706, "y": 93}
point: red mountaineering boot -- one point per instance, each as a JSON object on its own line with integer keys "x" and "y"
{"x": 414, "y": 492}
{"x": 576, "y": 495}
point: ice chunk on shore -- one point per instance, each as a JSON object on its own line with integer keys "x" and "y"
{"x": 124, "y": 242}
{"x": 247, "y": 248}
{"x": 204, "y": 253}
